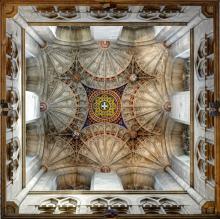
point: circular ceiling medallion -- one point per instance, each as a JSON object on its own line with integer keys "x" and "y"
{"x": 104, "y": 106}
{"x": 43, "y": 106}
{"x": 104, "y": 44}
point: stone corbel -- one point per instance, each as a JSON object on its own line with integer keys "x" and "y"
{"x": 12, "y": 208}
{"x": 208, "y": 207}
{"x": 208, "y": 11}
{"x": 10, "y": 10}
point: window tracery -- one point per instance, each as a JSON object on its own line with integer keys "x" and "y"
{"x": 158, "y": 205}
{"x": 206, "y": 160}
{"x": 109, "y": 12}
{"x": 11, "y": 105}
{"x": 205, "y": 57}
{"x": 60, "y": 205}
{"x": 12, "y": 57}
{"x": 56, "y": 12}
{"x": 99, "y": 206}
{"x": 153, "y": 12}
{"x": 13, "y": 159}
{"x": 203, "y": 108}
{"x": 12, "y": 69}
{"x": 210, "y": 116}
{"x": 102, "y": 205}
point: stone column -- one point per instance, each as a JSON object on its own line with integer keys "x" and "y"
{"x": 22, "y": 195}
{"x": 22, "y": 22}
{"x": 106, "y": 182}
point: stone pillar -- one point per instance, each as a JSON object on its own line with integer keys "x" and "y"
{"x": 180, "y": 107}
{"x": 181, "y": 48}
{"x": 106, "y": 182}
{"x": 33, "y": 165}
{"x": 195, "y": 195}
{"x": 21, "y": 196}
{"x": 22, "y": 22}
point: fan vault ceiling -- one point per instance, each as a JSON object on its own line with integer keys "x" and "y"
{"x": 106, "y": 108}
{"x": 120, "y": 99}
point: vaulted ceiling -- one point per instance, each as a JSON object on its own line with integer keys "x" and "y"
{"x": 106, "y": 108}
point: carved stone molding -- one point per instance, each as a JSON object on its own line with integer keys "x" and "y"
{"x": 208, "y": 11}
{"x": 13, "y": 159}
{"x": 102, "y": 205}
{"x": 10, "y": 10}
{"x": 57, "y": 12}
{"x": 209, "y": 207}
{"x": 206, "y": 160}
{"x": 157, "y": 205}
{"x": 59, "y": 205}
{"x": 155, "y": 12}
{"x": 12, "y": 208}
{"x": 205, "y": 57}
{"x": 12, "y": 59}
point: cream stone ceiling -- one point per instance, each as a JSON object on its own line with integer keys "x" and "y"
{"x": 63, "y": 104}
{"x": 101, "y": 65}
{"x": 106, "y": 108}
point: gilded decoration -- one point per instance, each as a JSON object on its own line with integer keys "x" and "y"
{"x": 104, "y": 106}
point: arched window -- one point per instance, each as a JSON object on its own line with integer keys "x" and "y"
{"x": 13, "y": 159}
{"x": 157, "y": 205}
{"x": 55, "y": 12}
{"x": 102, "y": 205}
{"x": 153, "y": 12}
{"x": 99, "y": 206}
{"x": 48, "y": 206}
{"x": 204, "y": 109}
{"x": 150, "y": 206}
{"x": 60, "y": 205}
{"x": 67, "y": 206}
{"x": 206, "y": 160}
{"x": 119, "y": 205}
{"x": 200, "y": 108}
{"x": 169, "y": 206}
{"x": 205, "y": 58}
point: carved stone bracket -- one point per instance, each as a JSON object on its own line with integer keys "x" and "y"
{"x": 208, "y": 207}
{"x": 10, "y": 10}
{"x": 208, "y": 10}
{"x": 12, "y": 208}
